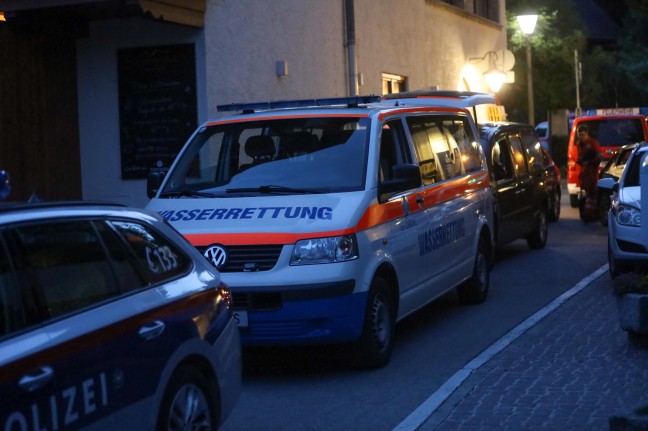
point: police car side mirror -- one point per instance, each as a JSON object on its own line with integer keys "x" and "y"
{"x": 404, "y": 177}
{"x": 153, "y": 183}
{"x": 609, "y": 184}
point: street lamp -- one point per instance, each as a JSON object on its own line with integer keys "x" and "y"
{"x": 527, "y": 25}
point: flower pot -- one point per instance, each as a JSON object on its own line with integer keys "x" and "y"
{"x": 633, "y": 317}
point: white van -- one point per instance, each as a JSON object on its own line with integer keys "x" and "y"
{"x": 333, "y": 219}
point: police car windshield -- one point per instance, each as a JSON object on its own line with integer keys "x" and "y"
{"x": 314, "y": 154}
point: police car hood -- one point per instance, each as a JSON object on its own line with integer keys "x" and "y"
{"x": 264, "y": 214}
{"x": 630, "y": 196}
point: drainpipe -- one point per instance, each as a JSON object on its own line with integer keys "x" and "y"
{"x": 350, "y": 44}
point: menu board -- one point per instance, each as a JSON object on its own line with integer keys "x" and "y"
{"x": 157, "y": 106}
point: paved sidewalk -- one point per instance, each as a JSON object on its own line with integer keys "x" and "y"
{"x": 571, "y": 371}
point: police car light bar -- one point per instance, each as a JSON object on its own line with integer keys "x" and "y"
{"x": 263, "y": 106}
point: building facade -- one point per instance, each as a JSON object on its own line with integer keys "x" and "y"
{"x": 148, "y": 72}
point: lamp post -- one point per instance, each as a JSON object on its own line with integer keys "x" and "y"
{"x": 527, "y": 25}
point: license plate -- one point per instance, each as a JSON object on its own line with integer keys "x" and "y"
{"x": 241, "y": 319}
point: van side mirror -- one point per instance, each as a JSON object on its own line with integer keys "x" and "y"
{"x": 153, "y": 183}
{"x": 404, "y": 177}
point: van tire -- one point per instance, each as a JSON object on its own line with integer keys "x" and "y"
{"x": 374, "y": 347}
{"x": 538, "y": 238}
{"x": 188, "y": 400}
{"x": 475, "y": 289}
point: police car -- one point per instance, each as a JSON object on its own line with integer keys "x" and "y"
{"x": 627, "y": 236}
{"x": 110, "y": 320}
{"x": 332, "y": 219}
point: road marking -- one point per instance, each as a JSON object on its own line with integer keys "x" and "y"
{"x": 429, "y": 406}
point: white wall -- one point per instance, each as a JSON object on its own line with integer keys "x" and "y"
{"x": 427, "y": 42}
{"x": 245, "y": 39}
{"x": 98, "y": 101}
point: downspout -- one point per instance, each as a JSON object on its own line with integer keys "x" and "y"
{"x": 350, "y": 44}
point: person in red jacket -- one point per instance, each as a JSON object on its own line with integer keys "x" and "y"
{"x": 589, "y": 157}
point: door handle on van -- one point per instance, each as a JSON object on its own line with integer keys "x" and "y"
{"x": 36, "y": 378}
{"x": 152, "y": 330}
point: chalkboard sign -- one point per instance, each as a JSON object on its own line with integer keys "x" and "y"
{"x": 157, "y": 106}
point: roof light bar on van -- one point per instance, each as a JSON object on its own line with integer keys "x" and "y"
{"x": 331, "y": 101}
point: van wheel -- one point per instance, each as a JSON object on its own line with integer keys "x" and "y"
{"x": 538, "y": 238}
{"x": 188, "y": 403}
{"x": 573, "y": 201}
{"x": 374, "y": 347}
{"x": 475, "y": 289}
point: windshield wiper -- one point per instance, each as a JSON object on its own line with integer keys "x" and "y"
{"x": 269, "y": 190}
{"x": 190, "y": 193}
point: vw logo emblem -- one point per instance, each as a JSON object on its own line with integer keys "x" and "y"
{"x": 216, "y": 255}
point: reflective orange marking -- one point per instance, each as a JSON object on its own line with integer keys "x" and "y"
{"x": 374, "y": 215}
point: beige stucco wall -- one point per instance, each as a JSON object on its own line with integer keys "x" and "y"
{"x": 425, "y": 40}
{"x": 245, "y": 39}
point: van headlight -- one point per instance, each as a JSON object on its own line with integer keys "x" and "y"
{"x": 325, "y": 250}
{"x": 628, "y": 216}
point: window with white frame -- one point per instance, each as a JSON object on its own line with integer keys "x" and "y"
{"x": 392, "y": 83}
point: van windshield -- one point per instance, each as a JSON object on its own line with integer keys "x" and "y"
{"x": 278, "y": 156}
{"x": 615, "y": 131}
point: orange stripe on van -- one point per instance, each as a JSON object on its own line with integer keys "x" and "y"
{"x": 374, "y": 215}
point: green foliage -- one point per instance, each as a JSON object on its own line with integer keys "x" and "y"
{"x": 611, "y": 75}
{"x": 633, "y": 57}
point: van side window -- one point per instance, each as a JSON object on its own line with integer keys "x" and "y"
{"x": 502, "y": 161}
{"x": 459, "y": 132}
{"x": 533, "y": 154}
{"x": 437, "y": 148}
{"x": 422, "y": 145}
{"x": 392, "y": 149}
{"x": 519, "y": 162}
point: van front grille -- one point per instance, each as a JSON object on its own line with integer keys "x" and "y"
{"x": 251, "y": 258}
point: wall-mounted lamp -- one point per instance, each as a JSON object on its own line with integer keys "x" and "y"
{"x": 2, "y": 16}
{"x": 495, "y": 74}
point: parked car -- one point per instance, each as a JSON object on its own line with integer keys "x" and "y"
{"x": 612, "y": 168}
{"x": 517, "y": 177}
{"x": 553, "y": 183}
{"x": 627, "y": 241}
{"x": 109, "y": 319}
{"x": 333, "y": 219}
{"x": 521, "y": 200}
{"x": 542, "y": 133}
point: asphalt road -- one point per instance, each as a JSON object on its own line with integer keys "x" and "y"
{"x": 314, "y": 389}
